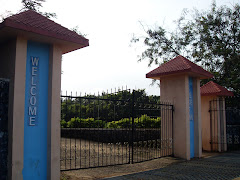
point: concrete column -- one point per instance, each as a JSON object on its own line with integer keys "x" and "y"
{"x": 224, "y": 126}
{"x": 22, "y": 46}
{"x": 13, "y": 67}
{"x": 18, "y": 101}
{"x": 54, "y": 116}
{"x": 175, "y": 89}
{"x": 218, "y": 125}
{"x": 197, "y": 118}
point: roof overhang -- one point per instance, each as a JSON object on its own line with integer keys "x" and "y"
{"x": 66, "y": 46}
{"x": 178, "y": 73}
{"x": 177, "y": 66}
{"x": 214, "y": 89}
{"x": 35, "y": 27}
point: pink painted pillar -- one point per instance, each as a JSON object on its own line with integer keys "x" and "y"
{"x": 180, "y": 84}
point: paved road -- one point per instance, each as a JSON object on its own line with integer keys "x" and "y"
{"x": 223, "y": 166}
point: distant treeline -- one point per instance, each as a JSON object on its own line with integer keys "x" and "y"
{"x": 105, "y": 108}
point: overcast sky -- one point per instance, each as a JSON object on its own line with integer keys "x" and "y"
{"x": 109, "y": 61}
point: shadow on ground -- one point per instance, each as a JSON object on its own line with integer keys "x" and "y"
{"x": 211, "y": 166}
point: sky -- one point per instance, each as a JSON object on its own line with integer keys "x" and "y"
{"x": 110, "y": 60}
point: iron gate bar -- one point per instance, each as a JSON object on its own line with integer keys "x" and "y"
{"x": 133, "y": 116}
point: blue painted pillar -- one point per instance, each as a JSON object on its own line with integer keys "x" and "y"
{"x": 191, "y": 117}
{"x": 36, "y": 111}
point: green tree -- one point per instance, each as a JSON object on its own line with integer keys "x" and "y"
{"x": 211, "y": 38}
{"x": 35, "y": 5}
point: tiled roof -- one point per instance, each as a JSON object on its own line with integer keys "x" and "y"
{"x": 177, "y": 65}
{"x": 212, "y": 88}
{"x": 34, "y": 22}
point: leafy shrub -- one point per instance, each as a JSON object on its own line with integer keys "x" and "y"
{"x": 63, "y": 124}
{"x": 143, "y": 122}
{"x": 147, "y": 122}
{"x": 85, "y": 123}
{"x": 123, "y": 123}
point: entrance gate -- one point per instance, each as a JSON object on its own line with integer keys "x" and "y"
{"x": 111, "y": 129}
{"x": 233, "y": 128}
{"x": 217, "y": 124}
{"x": 4, "y": 86}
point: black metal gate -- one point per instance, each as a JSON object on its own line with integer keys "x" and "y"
{"x": 4, "y": 86}
{"x": 217, "y": 122}
{"x": 115, "y": 128}
{"x": 222, "y": 118}
{"x": 233, "y": 128}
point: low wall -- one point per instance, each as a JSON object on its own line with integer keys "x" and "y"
{"x": 108, "y": 135}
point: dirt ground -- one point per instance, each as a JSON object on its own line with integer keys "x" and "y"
{"x": 80, "y": 153}
{"x": 118, "y": 170}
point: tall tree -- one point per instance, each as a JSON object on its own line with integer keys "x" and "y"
{"x": 210, "y": 38}
{"x": 35, "y": 5}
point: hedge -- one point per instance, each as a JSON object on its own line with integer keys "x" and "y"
{"x": 142, "y": 122}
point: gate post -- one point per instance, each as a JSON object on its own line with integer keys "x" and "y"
{"x": 214, "y": 117}
{"x": 31, "y": 48}
{"x": 180, "y": 84}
